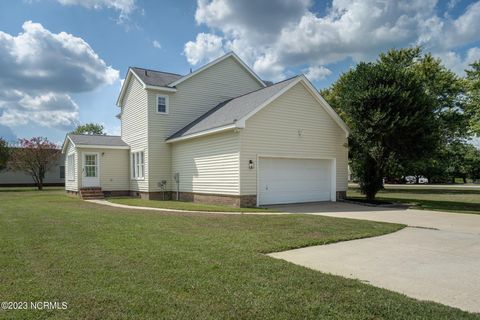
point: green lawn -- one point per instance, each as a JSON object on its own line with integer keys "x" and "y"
{"x": 451, "y": 199}
{"x": 111, "y": 263}
{"x": 182, "y": 205}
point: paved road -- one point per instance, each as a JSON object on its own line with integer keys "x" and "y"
{"x": 427, "y": 186}
{"x": 440, "y": 264}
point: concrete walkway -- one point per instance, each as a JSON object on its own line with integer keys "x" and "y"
{"x": 124, "y": 206}
{"x": 440, "y": 264}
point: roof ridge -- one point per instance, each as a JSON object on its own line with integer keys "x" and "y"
{"x": 175, "y": 74}
{"x": 245, "y": 94}
{"x": 94, "y": 135}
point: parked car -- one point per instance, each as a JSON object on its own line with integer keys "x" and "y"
{"x": 422, "y": 180}
{"x": 410, "y": 179}
{"x": 413, "y": 180}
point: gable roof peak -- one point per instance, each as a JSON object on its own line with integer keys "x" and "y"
{"x": 218, "y": 60}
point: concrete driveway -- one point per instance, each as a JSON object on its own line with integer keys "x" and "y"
{"x": 436, "y": 258}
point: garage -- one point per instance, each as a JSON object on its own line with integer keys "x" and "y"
{"x": 288, "y": 180}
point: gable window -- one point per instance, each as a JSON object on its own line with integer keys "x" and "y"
{"x": 71, "y": 167}
{"x": 162, "y": 104}
{"x": 138, "y": 165}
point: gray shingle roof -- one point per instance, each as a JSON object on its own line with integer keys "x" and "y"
{"x": 156, "y": 78}
{"x": 229, "y": 111}
{"x": 97, "y": 140}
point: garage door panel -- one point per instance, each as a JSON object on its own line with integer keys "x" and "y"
{"x": 294, "y": 180}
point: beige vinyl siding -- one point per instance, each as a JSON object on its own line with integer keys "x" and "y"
{"x": 209, "y": 164}
{"x": 194, "y": 97}
{"x": 113, "y": 168}
{"x": 71, "y": 185}
{"x": 134, "y": 127}
{"x": 274, "y": 131}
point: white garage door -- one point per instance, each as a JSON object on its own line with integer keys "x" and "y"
{"x": 294, "y": 180}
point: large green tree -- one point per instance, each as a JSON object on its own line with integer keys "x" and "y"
{"x": 472, "y": 163}
{"x": 445, "y": 89}
{"x": 473, "y": 95}
{"x": 4, "y": 153}
{"x": 390, "y": 115}
{"x": 89, "y": 128}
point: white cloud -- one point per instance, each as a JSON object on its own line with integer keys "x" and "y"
{"x": 452, "y": 4}
{"x": 315, "y": 73}
{"x": 39, "y": 71}
{"x": 206, "y": 47}
{"x": 124, "y": 7}
{"x": 447, "y": 33}
{"x": 156, "y": 44}
{"x": 114, "y": 130}
{"x": 275, "y": 35}
{"x": 458, "y": 63}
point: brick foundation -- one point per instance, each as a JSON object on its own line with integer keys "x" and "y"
{"x": 166, "y": 195}
{"x": 116, "y": 193}
{"x": 341, "y": 195}
{"x": 220, "y": 199}
{"x": 209, "y": 198}
{"x": 248, "y": 201}
{"x": 72, "y": 193}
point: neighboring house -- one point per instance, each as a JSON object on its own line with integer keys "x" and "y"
{"x": 54, "y": 177}
{"x": 217, "y": 135}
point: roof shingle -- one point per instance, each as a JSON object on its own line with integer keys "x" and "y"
{"x": 155, "y": 78}
{"x": 97, "y": 140}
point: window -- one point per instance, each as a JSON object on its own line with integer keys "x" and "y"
{"x": 162, "y": 104}
{"x": 91, "y": 166}
{"x": 62, "y": 172}
{"x": 138, "y": 165}
{"x": 71, "y": 166}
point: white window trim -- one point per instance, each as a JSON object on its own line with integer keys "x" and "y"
{"x": 166, "y": 103}
{"x": 70, "y": 174}
{"x": 134, "y": 166}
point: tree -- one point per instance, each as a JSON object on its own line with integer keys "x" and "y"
{"x": 35, "y": 157}
{"x": 472, "y": 160}
{"x": 4, "y": 153}
{"x": 445, "y": 88}
{"x": 89, "y": 128}
{"x": 391, "y": 118}
{"x": 473, "y": 94}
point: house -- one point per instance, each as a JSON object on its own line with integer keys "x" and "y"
{"x": 53, "y": 177}
{"x": 218, "y": 135}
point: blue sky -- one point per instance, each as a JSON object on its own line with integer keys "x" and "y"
{"x": 62, "y": 61}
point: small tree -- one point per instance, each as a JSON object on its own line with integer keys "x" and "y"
{"x": 35, "y": 157}
{"x": 4, "y": 153}
{"x": 89, "y": 128}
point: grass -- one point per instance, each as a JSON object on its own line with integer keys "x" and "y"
{"x": 182, "y": 205}
{"x": 459, "y": 200}
{"x": 111, "y": 263}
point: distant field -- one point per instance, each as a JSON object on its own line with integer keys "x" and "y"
{"x": 451, "y": 198}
